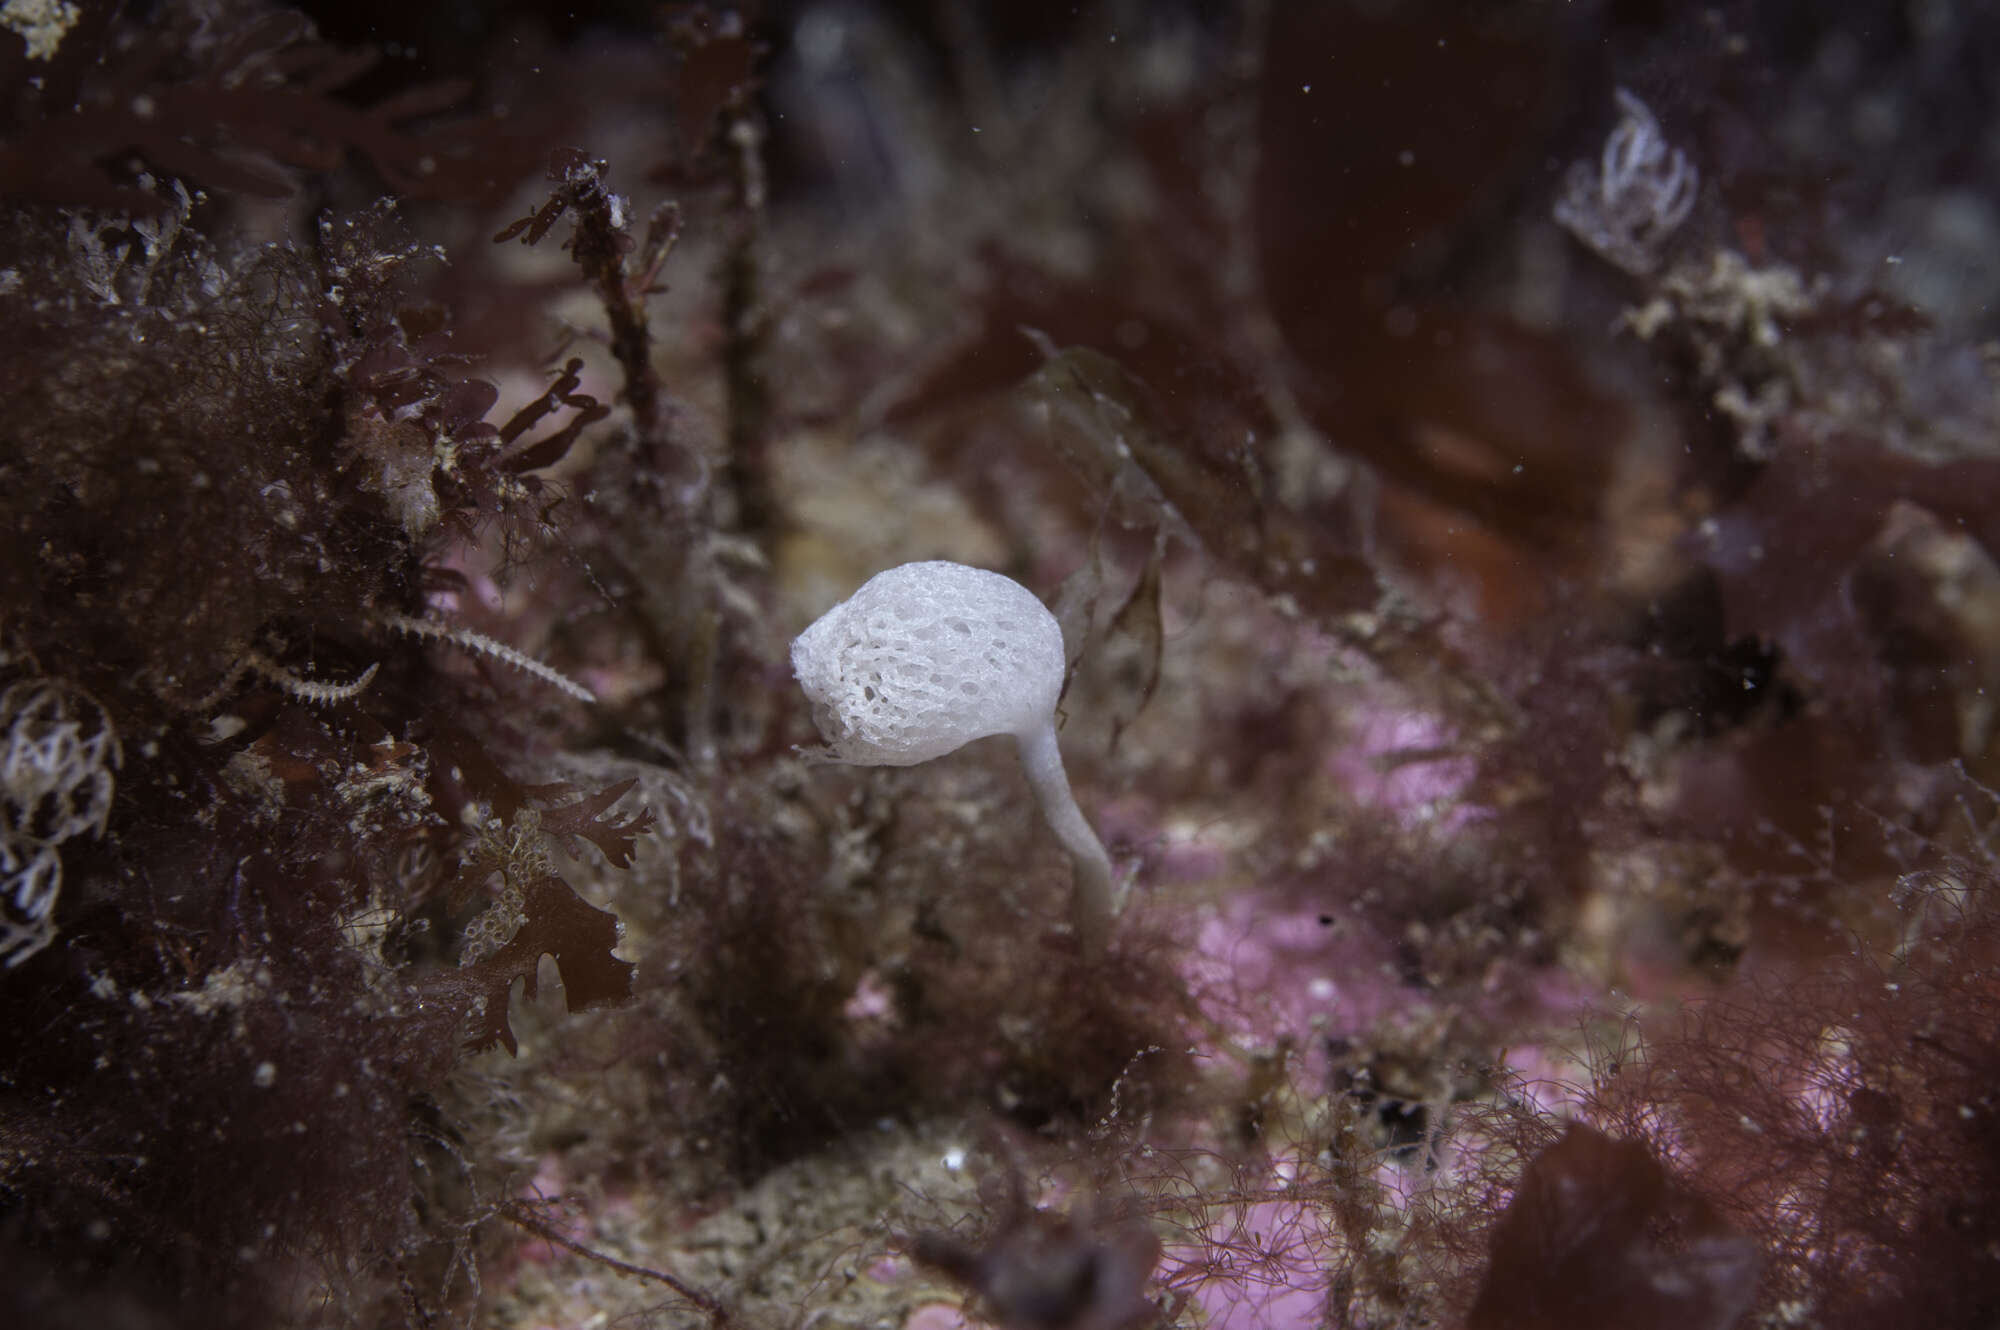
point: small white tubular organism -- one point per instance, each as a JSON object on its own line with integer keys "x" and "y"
{"x": 927, "y": 657}
{"x": 1641, "y": 191}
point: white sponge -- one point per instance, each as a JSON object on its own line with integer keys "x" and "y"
{"x": 924, "y": 659}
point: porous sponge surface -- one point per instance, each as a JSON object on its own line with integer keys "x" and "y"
{"x": 927, "y": 657}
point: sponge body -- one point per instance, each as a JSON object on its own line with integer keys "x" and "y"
{"x": 925, "y": 658}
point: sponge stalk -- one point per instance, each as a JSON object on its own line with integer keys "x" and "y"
{"x": 1096, "y": 899}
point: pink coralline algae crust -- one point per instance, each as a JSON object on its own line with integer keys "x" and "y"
{"x": 940, "y": 1316}
{"x": 1284, "y": 1288}
{"x": 1403, "y": 763}
{"x": 1262, "y": 970}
